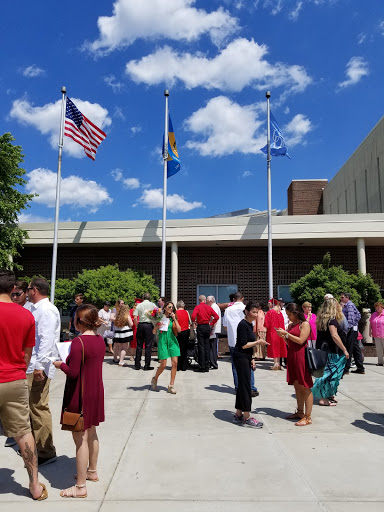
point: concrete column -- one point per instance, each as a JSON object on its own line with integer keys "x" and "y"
{"x": 174, "y": 271}
{"x": 361, "y": 262}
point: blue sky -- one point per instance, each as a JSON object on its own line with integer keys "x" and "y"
{"x": 322, "y": 60}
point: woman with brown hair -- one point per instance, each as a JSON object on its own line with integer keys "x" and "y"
{"x": 298, "y": 375}
{"x": 123, "y": 334}
{"x": 168, "y": 345}
{"x": 84, "y": 390}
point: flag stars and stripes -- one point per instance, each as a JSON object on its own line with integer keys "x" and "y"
{"x": 82, "y": 130}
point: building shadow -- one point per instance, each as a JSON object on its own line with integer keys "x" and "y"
{"x": 8, "y": 484}
{"x": 373, "y": 423}
{"x": 221, "y": 389}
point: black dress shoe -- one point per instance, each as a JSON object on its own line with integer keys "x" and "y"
{"x": 255, "y": 393}
{"x": 43, "y": 461}
{"x": 137, "y": 367}
{"x": 359, "y": 370}
{"x": 147, "y": 368}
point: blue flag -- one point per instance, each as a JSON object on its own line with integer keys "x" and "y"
{"x": 278, "y": 145}
{"x": 173, "y": 161}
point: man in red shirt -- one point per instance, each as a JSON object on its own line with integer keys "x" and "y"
{"x": 205, "y": 318}
{"x": 17, "y": 338}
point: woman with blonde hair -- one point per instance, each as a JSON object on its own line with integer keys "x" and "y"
{"x": 123, "y": 334}
{"x": 330, "y": 337}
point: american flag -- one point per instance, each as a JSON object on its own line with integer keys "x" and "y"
{"x": 82, "y": 130}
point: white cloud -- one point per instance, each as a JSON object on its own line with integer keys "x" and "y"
{"x": 381, "y": 27}
{"x": 74, "y": 191}
{"x": 117, "y": 174}
{"x": 296, "y": 130}
{"x": 32, "y": 71}
{"x": 153, "y": 19}
{"x": 153, "y": 198}
{"x": 136, "y": 129}
{"x": 357, "y": 67}
{"x": 246, "y": 174}
{"x": 131, "y": 183}
{"x": 115, "y": 86}
{"x": 30, "y": 217}
{"x": 118, "y": 113}
{"x": 361, "y": 38}
{"x": 226, "y": 128}
{"x": 245, "y": 59}
{"x": 294, "y": 14}
{"x": 47, "y": 120}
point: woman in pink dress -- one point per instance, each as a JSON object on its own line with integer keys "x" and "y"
{"x": 87, "y": 443}
{"x": 311, "y": 317}
{"x": 298, "y": 375}
{"x": 274, "y": 319}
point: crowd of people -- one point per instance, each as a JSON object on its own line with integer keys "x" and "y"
{"x": 30, "y": 328}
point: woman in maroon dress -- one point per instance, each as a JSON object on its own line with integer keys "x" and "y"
{"x": 87, "y": 443}
{"x": 298, "y": 375}
{"x": 273, "y": 320}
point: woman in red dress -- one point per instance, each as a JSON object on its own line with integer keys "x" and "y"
{"x": 276, "y": 349}
{"x": 87, "y": 443}
{"x": 298, "y": 375}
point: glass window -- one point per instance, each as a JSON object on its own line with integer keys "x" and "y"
{"x": 219, "y": 291}
{"x": 283, "y": 293}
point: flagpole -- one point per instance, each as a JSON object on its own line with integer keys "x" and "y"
{"x": 270, "y": 266}
{"x": 58, "y": 183}
{"x": 164, "y": 227}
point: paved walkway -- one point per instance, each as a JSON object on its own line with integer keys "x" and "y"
{"x": 161, "y": 452}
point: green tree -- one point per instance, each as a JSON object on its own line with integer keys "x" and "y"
{"x": 12, "y": 201}
{"x": 110, "y": 283}
{"x": 324, "y": 279}
{"x": 64, "y": 292}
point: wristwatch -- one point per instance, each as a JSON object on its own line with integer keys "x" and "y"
{"x": 286, "y": 336}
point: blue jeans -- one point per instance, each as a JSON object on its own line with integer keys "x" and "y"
{"x": 234, "y": 372}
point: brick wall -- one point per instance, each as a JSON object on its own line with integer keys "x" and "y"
{"x": 245, "y": 266}
{"x": 305, "y": 197}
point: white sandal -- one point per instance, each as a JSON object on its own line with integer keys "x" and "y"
{"x": 71, "y": 492}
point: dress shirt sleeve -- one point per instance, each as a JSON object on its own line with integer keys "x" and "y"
{"x": 194, "y": 314}
{"x": 225, "y": 323}
{"x": 74, "y": 359}
{"x": 45, "y": 329}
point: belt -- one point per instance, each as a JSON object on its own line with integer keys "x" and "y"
{"x": 202, "y": 324}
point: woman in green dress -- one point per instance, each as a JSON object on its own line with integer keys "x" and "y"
{"x": 168, "y": 345}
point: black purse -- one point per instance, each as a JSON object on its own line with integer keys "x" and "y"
{"x": 316, "y": 360}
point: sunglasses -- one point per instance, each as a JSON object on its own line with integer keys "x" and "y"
{"x": 16, "y": 294}
{"x": 29, "y": 289}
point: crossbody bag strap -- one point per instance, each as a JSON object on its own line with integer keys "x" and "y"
{"x": 82, "y": 378}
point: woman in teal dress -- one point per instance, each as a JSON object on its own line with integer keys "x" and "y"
{"x": 168, "y": 346}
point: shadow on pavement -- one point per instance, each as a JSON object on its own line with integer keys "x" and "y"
{"x": 372, "y": 423}
{"x": 221, "y": 389}
{"x": 274, "y": 413}
{"x": 9, "y": 485}
{"x": 60, "y": 474}
{"x": 224, "y": 415}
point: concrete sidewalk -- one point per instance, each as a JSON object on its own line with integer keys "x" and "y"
{"x": 164, "y": 452}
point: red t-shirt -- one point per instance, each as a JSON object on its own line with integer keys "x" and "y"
{"x": 183, "y": 319}
{"x": 203, "y": 313}
{"x": 17, "y": 331}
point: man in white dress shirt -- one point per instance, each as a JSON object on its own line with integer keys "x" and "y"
{"x": 41, "y": 370}
{"x": 213, "y": 341}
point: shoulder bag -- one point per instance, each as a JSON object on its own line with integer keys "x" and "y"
{"x": 74, "y": 421}
{"x": 316, "y": 359}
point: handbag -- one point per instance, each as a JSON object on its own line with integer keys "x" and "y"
{"x": 316, "y": 360}
{"x": 74, "y": 421}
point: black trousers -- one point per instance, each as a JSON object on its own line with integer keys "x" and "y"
{"x": 183, "y": 338}
{"x": 213, "y": 351}
{"x": 243, "y": 393}
{"x": 354, "y": 350}
{"x": 203, "y": 332}
{"x": 144, "y": 334}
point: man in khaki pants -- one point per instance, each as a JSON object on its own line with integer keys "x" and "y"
{"x": 41, "y": 370}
